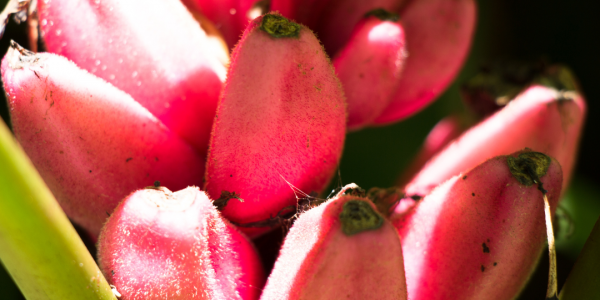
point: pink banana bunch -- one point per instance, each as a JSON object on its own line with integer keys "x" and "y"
{"x": 135, "y": 94}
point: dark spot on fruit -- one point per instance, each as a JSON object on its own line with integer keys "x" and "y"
{"x": 90, "y": 171}
{"x": 488, "y": 240}
{"x": 156, "y": 183}
{"x": 231, "y": 175}
{"x": 107, "y": 213}
{"x": 473, "y": 194}
{"x": 128, "y": 159}
{"x": 464, "y": 177}
{"x": 495, "y": 263}
{"x": 486, "y": 249}
{"x": 482, "y": 268}
{"x": 112, "y": 272}
{"x": 156, "y": 158}
{"x": 416, "y": 197}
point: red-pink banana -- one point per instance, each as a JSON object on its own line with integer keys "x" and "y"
{"x": 541, "y": 118}
{"x": 479, "y": 234}
{"x": 370, "y": 66}
{"x": 438, "y": 38}
{"x": 163, "y": 245}
{"x": 342, "y": 249}
{"x": 281, "y": 120}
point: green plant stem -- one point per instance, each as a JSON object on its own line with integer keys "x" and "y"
{"x": 584, "y": 280}
{"x": 38, "y": 245}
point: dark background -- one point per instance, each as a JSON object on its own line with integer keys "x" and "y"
{"x": 566, "y": 32}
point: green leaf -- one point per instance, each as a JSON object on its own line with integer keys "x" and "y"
{"x": 38, "y": 245}
{"x": 584, "y": 280}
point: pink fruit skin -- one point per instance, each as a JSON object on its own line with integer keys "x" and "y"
{"x": 537, "y": 119}
{"x": 177, "y": 246}
{"x": 229, "y": 16}
{"x": 369, "y": 68}
{"x": 319, "y": 261}
{"x": 281, "y": 118}
{"x": 438, "y": 35}
{"x": 91, "y": 143}
{"x": 154, "y": 51}
{"x": 444, "y": 132}
{"x": 476, "y": 236}
{"x": 306, "y": 12}
{"x": 342, "y": 16}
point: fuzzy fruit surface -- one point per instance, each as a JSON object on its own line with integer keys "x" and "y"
{"x": 478, "y": 235}
{"x": 92, "y": 143}
{"x": 163, "y": 245}
{"x": 281, "y": 118}
{"x": 155, "y": 51}
{"x": 330, "y": 250}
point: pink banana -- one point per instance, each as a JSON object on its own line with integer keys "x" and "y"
{"x": 281, "y": 120}
{"x": 369, "y": 67}
{"x": 155, "y": 51}
{"x": 229, "y": 16}
{"x": 163, "y": 245}
{"x": 542, "y": 119}
{"x": 336, "y": 29}
{"x": 342, "y": 249}
{"x": 478, "y": 235}
{"x": 92, "y": 143}
{"x": 438, "y": 35}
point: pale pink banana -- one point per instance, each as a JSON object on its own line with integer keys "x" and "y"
{"x": 438, "y": 38}
{"x": 153, "y": 50}
{"x": 541, "y": 118}
{"x": 478, "y": 235}
{"x": 281, "y": 120}
{"x": 342, "y": 16}
{"x": 342, "y": 249}
{"x": 370, "y": 66}
{"x": 92, "y": 143}
{"x": 163, "y": 245}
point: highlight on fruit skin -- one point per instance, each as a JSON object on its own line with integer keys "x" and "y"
{"x": 281, "y": 121}
{"x": 370, "y": 66}
{"x": 331, "y": 248}
{"x": 478, "y": 235}
{"x": 153, "y": 50}
{"x": 92, "y": 143}
{"x": 541, "y": 118}
{"x": 163, "y": 245}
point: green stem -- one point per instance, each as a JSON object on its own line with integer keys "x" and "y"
{"x": 584, "y": 280}
{"x": 38, "y": 245}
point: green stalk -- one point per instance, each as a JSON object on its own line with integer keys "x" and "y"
{"x": 38, "y": 245}
{"x": 584, "y": 280}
